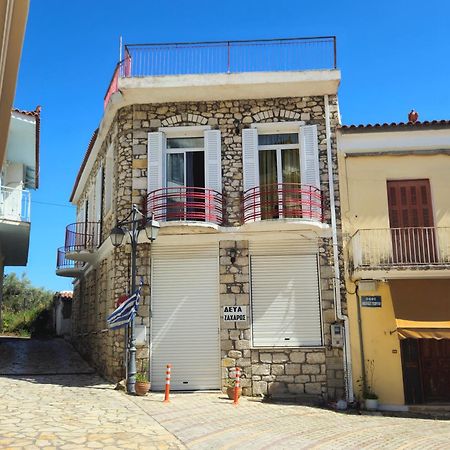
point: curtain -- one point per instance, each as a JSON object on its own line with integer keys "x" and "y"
{"x": 291, "y": 178}
{"x": 268, "y": 184}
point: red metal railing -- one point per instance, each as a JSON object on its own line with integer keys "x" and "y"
{"x": 264, "y": 55}
{"x": 186, "y": 204}
{"x": 82, "y": 236}
{"x": 282, "y": 201}
{"x": 123, "y": 69}
{"x": 63, "y": 263}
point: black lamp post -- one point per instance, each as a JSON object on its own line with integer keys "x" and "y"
{"x": 133, "y": 224}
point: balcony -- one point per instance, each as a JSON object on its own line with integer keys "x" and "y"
{"x": 289, "y": 201}
{"x": 400, "y": 252}
{"x": 198, "y": 206}
{"x": 14, "y": 225}
{"x": 14, "y": 204}
{"x": 66, "y": 267}
{"x": 221, "y": 64}
{"x": 82, "y": 239}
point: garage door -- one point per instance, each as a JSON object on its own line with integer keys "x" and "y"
{"x": 185, "y": 322}
{"x": 285, "y": 301}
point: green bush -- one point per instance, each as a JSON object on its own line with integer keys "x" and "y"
{"x": 25, "y": 308}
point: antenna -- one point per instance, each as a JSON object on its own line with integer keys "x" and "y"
{"x": 120, "y": 48}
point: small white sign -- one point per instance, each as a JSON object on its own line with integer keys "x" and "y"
{"x": 235, "y": 313}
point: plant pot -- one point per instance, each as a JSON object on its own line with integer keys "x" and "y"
{"x": 230, "y": 392}
{"x": 142, "y": 387}
{"x": 371, "y": 404}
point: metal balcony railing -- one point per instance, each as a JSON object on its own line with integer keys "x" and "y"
{"x": 186, "y": 204}
{"x": 64, "y": 264}
{"x": 266, "y": 55}
{"x": 14, "y": 204}
{"x": 282, "y": 201}
{"x": 82, "y": 236}
{"x": 400, "y": 247}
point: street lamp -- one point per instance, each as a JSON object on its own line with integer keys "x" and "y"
{"x": 133, "y": 224}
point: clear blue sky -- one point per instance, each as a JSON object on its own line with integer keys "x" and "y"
{"x": 394, "y": 55}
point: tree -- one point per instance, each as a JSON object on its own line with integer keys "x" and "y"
{"x": 19, "y": 295}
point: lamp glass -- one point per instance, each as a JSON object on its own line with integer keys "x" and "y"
{"x": 117, "y": 235}
{"x": 152, "y": 229}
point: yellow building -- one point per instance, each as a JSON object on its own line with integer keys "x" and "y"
{"x": 395, "y": 200}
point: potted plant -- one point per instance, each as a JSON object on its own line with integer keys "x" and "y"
{"x": 142, "y": 385}
{"x": 370, "y": 397}
{"x": 370, "y": 400}
{"x": 230, "y": 384}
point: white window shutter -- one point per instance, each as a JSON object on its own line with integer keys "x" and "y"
{"x": 251, "y": 174}
{"x": 98, "y": 194}
{"x": 156, "y": 160}
{"x": 81, "y": 215}
{"x": 309, "y": 156}
{"x": 213, "y": 160}
{"x": 250, "y": 158}
{"x": 91, "y": 205}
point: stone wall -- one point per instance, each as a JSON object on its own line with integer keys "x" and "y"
{"x": 298, "y": 371}
{"x": 315, "y": 374}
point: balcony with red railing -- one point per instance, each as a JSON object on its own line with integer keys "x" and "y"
{"x": 223, "y": 57}
{"x": 67, "y": 267}
{"x": 290, "y": 201}
{"x": 186, "y": 205}
{"x": 82, "y": 239}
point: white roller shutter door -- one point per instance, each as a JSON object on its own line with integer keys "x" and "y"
{"x": 185, "y": 320}
{"x": 286, "y": 301}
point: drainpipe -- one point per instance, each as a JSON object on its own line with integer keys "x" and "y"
{"x": 361, "y": 339}
{"x": 337, "y": 275}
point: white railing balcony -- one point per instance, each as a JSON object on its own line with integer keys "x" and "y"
{"x": 14, "y": 204}
{"x": 390, "y": 248}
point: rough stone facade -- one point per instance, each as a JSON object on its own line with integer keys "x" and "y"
{"x": 298, "y": 371}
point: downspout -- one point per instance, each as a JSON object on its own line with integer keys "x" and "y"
{"x": 337, "y": 276}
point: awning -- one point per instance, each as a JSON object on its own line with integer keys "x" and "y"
{"x": 422, "y": 308}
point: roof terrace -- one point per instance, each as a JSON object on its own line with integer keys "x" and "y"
{"x": 232, "y": 63}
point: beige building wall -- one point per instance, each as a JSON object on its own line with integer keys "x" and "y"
{"x": 363, "y": 187}
{"x": 367, "y": 160}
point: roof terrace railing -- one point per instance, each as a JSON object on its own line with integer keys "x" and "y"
{"x": 265, "y": 55}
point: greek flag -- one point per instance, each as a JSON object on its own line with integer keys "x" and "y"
{"x": 122, "y": 316}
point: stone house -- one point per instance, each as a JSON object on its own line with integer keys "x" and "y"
{"x": 231, "y": 148}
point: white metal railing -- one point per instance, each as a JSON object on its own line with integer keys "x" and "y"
{"x": 15, "y": 204}
{"x": 393, "y": 247}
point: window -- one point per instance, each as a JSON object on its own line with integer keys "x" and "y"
{"x": 184, "y": 174}
{"x": 281, "y": 172}
{"x": 279, "y": 175}
{"x": 185, "y": 178}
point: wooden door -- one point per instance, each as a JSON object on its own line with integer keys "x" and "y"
{"x": 435, "y": 369}
{"x": 411, "y": 221}
{"x": 412, "y": 383}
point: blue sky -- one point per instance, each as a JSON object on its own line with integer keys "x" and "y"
{"x": 394, "y": 56}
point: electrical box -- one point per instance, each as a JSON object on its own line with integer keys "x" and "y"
{"x": 140, "y": 334}
{"x": 337, "y": 335}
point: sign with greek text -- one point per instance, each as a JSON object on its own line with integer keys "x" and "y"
{"x": 234, "y": 313}
{"x": 373, "y": 301}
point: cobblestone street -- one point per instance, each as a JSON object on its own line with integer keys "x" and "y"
{"x": 72, "y": 411}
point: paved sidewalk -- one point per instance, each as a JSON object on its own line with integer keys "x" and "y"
{"x": 75, "y": 410}
{"x": 210, "y": 421}
{"x": 24, "y": 356}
